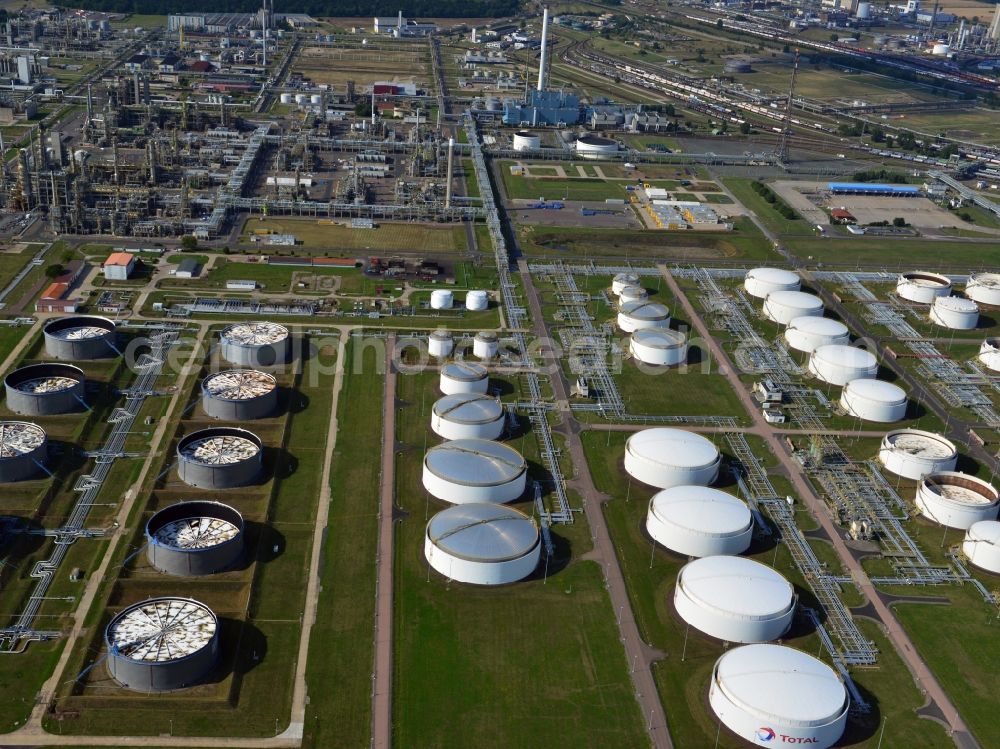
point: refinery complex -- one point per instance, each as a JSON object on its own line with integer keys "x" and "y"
{"x": 603, "y": 374}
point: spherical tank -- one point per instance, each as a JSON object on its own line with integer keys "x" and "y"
{"x": 463, "y": 377}
{"x": 808, "y": 333}
{"x": 193, "y": 538}
{"x": 659, "y": 346}
{"x": 771, "y": 693}
{"x": 955, "y": 313}
{"x": 467, "y": 416}
{"x": 734, "y": 599}
{"x": 664, "y": 457}
{"x": 838, "y": 365}
{"x": 956, "y": 500}
{"x": 162, "y": 644}
{"x": 921, "y": 287}
{"x": 784, "y": 306}
{"x": 474, "y": 470}
{"x": 482, "y": 544}
{"x": 699, "y": 521}
{"x": 874, "y": 400}
{"x": 255, "y": 344}
{"x": 239, "y": 395}
{"x": 80, "y": 337}
{"x": 220, "y": 458}
{"x": 913, "y": 453}
{"x": 760, "y": 282}
{"x": 45, "y": 389}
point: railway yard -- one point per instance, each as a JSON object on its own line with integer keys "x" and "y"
{"x": 625, "y": 376}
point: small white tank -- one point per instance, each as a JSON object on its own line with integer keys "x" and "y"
{"x": 632, "y": 294}
{"x": 874, "y": 400}
{"x": 316, "y": 99}
{"x": 440, "y": 344}
{"x": 476, "y": 301}
{"x": 989, "y": 354}
{"x": 442, "y": 299}
{"x": 784, "y": 306}
{"x": 287, "y": 98}
{"x": 622, "y": 280}
{"x": 485, "y": 345}
{"x": 955, "y": 313}
{"x": 301, "y": 98}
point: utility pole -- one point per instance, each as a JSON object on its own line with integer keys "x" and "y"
{"x": 787, "y": 129}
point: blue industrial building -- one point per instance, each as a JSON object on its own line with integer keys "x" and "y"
{"x": 866, "y": 188}
{"x": 543, "y": 108}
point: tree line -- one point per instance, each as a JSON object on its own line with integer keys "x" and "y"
{"x": 413, "y": 8}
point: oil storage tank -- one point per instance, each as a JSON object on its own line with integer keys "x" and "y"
{"x": 914, "y": 453}
{"x": 525, "y": 140}
{"x": 660, "y": 346}
{"x": 596, "y": 147}
{"x": 194, "y": 538}
{"x": 474, "y": 470}
{"x": 162, "y": 644}
{"x": 440, "y": 344}
{"x": 255, "y": 344}
{"x": 239, "y": 395}
{"x": 921, "y": 287}
{"x": 45, "y": 389}
{"x": 640, "y": 314}
{"x": 874, "y": 400}
{"x": 463, "y": 377}
{"x": 24, "y": 449}
{"x": 665, "y": 457}
{"x": 623, "y": 280}
{"x": 989, "y": 353}
{"x": 633, "y": 294}
{"x": 955, "y": 313}
{"x": 808, "y": 333}
{"x": 477, "y": 300}
{"x": 838, "y": 365}
{"x": 956, "y": 500}
{"x": 80, "y": 337}
{"x": 467, "y": 416}
{"x": 699, "y": 521}
{"x": 485, "y": 345}
{"x": 220, "y": 458}
{"x": 442, "y": 299}
{"x": 982, "y": 545}
{"x": 760, "y": 282}
{"x": 784, "y": 306}
{"x": 766, "y": 692}
{"x": 482, "y": 543}
{"x": 734, "y": 599}
{"x": 984, "y": 288}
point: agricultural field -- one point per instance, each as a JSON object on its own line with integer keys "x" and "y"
{"x": 340, "y": 240}
{"x": 393, "y": 63}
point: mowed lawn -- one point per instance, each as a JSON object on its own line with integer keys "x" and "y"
{"x": 336, "y": 237}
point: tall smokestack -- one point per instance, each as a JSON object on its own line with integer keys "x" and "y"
{"x": 399, "y": 22}
{"x": 545, "y": 49}
{"x": 447, "y": 178}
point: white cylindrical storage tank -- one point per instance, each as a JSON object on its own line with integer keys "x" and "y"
{"x": 286, "y": 98}
{"x": 874, "y": 400}
{"x": 665, "y": 457}
{"x": 632, "y": 294}
{"x": 941, "y": 49}
{"x": 623, "y": 280}
{"x": 982, "y": 545}
{"x": 474, "y": 470}
{"x": 596, "y": 147}
{"x": 922, "y": 288}
{"x": 526, "y": 141}
{"x": 467, "y": 416}
{"x": 483, "y": 544}
{"x": 301, "y": 98}
{"x": 463, "y": 377}
{"x": 485, "y": 345}
{"x": 989, "y": 353}
{"x": 984, "y": 288}
{"x": 808, "y": 333}
{"x": 255, "y": 344}
{"x": 956, "y": 500}
{"x": 440, "y": 344}
{"x": 760, "y": 282}
{"x": 639, "y": 315}
{"x": 316, "y": 99}
{"x": 660, "y": 346}
{"x": 698, "y": 521}
{"x": 442, "y": 299}
{"x": 838, "y": 365}
{"x": 476, "y": 301}
{"x": 955, "y": 313}
{"x": 784, "y": 306}
{"x": 913, "y": 453}
{"x": 734, "y": 599}
{"x": 771, "y": 693}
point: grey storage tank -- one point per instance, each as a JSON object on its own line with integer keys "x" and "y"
{"x": 80, "y": 337}
{"x": 193, "y": 538}
{"x": 239, "y": 394}
{"x": 162, "y": 644}
{"x": 24, "y": 448}
{"x": 220, "y": 458}
{"x": 45, "y": 389}
{"x": 255, "y": 344}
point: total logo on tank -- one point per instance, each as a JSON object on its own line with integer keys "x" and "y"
{"x": 767, "y": 735}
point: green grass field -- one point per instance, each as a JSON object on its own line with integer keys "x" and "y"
{"x": 342, "y": 240}
{"x": 899, "y": 254}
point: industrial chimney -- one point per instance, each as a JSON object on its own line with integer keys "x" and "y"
{"x": 545, "y": 46}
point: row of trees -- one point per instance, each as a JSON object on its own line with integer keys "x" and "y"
{"x": 777, "y": 203}
{"x": 425, "y": 8}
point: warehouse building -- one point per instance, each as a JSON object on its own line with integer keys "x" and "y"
{"x": 119, "y": 266}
